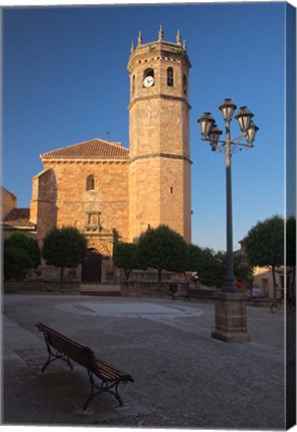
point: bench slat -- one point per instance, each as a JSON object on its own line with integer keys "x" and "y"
{"x": 108, "y": 372}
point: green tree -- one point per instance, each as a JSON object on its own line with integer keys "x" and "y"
{"x": 16, "y": 263}
{"x": 162, "y": 249}
{"x": 220, "y": 268}
{"x": 264, "y": 245}
{"x": 206, "y": 263}
{"x": 21, "y": 252}
{"x": 64, "y": 247}
{"x": 125, "y": 257}
{"x": 193, "y": 256}
{"x": 211, "y": 266}
{"x": 243, "y": 271}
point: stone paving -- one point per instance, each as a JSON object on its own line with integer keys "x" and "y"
{"x": 183, "y": 377}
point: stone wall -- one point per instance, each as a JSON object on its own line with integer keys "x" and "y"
{"x": 9, "y": 201}
{"x": 43, "y": 207}
{"x": 60, "y": 198}
{"x": 109, "y": 198}
{"x": 150, "y": 288}
{"x": 51, "y": 273}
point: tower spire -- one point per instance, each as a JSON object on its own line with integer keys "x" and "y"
{"x": 161, "y": 33}
{"x": 178, "y": 38}
{"x": 132, "y": 47}
{"x": 139, "y": 38}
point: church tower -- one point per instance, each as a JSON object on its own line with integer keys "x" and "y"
{"x": 160, "y": 166}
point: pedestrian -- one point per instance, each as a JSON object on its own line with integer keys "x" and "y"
{"x": 195, "y": 277}
{"x": 239, "y": 285}
{"x": 255, "y": 292}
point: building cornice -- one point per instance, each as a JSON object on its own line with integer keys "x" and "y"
{"x": 161, "y": 155}
{"x": 159, "y": 50}
{"x": 159, "y": 96}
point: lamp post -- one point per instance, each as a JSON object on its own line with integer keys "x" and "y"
{"x": 210, "y": 132}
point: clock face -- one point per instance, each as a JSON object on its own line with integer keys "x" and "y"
{"x": 148, "y": 81}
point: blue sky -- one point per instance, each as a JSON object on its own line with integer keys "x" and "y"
{"x": 65, "y": 80}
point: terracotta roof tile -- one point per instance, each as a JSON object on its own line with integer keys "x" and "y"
{"x": 18, "y": 217}
{"x": 93, "y": 149}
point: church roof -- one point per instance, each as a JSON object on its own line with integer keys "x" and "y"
{"x": 18, "y": 217}
{"x": 93, "y": 149}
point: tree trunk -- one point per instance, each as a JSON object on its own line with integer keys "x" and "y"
{"x": 127, "y": 273}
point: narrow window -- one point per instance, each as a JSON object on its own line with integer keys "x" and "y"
{"x": 90, "y": 183}
{"x": 170, "y": 77}
{"x": 185, "y": 84}
{"x": 133, "y": 85}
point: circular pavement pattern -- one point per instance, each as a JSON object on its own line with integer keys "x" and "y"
{"x": 128, "y": 309}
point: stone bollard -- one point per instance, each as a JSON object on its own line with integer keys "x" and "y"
{"x": 230, "y": 317}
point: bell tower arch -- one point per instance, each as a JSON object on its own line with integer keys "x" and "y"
{"x": 160, "y": 166}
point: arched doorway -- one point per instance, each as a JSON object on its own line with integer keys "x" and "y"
{"x": 91, "y": 269}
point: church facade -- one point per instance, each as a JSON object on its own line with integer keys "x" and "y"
{"x": 111, "y": 193}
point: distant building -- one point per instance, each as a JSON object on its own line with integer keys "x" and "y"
{"x": 9, "y": 201}
{"x": 13, "y": 218}
{"x": 262, "y": 278}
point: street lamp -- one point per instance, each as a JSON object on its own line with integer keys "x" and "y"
{"x": 210, "y": 132}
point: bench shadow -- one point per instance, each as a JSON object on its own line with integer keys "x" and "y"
{"x": 74, "y": 385}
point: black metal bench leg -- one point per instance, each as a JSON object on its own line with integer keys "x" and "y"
{"x": 49, "y": 360}
{"x": 104, "y": 388}
{"x": 92, "y": 394}
{"x": 116, "y": 394}
{"x": 89, "y": 398}
{"x": 53, "y": 357}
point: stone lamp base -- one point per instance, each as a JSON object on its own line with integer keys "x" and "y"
{"x": 230, "y": 317}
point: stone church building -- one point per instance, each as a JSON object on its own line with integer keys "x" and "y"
{"x": 111, "y": 193}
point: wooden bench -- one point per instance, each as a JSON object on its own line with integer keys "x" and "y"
{"x": 64, "y": 348}
{"x": 198, "y": 293}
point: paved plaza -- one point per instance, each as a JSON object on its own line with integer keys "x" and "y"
{"x": 183, "y": 377}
